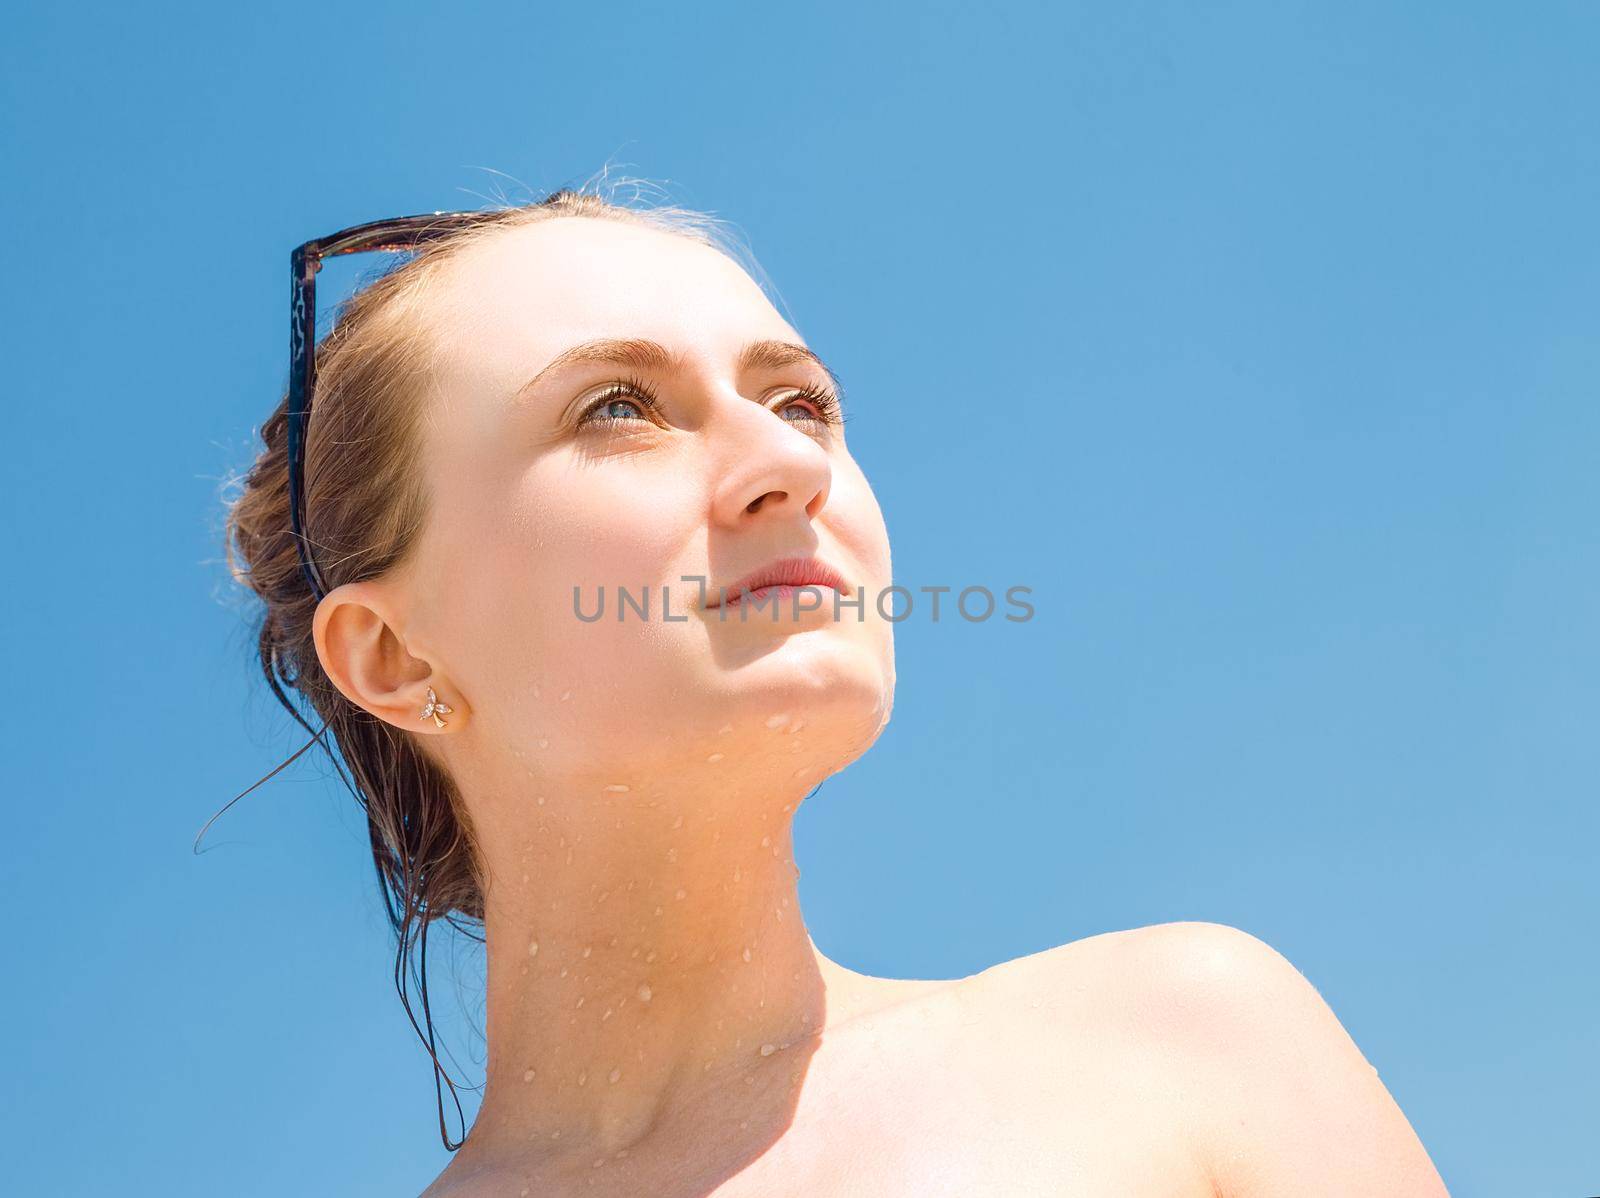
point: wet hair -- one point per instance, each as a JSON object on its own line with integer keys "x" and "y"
{"x": 364, "y": 508}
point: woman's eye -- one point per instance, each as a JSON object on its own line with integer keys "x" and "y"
{"x": 621, "y": 404}
{"x": 617, "y": 409}
{"x": 815, "y": 406}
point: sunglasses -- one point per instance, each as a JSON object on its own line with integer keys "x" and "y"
{"x": 395, "y": 234}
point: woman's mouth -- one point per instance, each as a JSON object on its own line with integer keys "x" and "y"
{"x": 778, "y": 581}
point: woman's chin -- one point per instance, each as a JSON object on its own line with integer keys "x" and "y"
{"x": 817, "y": 670}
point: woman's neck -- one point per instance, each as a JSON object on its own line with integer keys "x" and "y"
{"x": 642, "y": 956}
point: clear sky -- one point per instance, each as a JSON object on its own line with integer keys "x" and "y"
{"x": 1260, "y": 340}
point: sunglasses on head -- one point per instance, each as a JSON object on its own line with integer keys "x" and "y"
{"x": 396, "y": 233}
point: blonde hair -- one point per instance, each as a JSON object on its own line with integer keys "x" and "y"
{"x": 364, "y": 507}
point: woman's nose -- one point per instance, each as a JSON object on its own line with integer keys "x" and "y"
{"x": 773, "y": 468}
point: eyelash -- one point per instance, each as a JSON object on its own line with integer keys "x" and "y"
{"x": 827, "y": 402}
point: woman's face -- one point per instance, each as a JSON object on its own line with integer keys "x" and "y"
{"x": 536, "y": 491}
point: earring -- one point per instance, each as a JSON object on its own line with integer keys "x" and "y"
{"x": 434, "y": 708}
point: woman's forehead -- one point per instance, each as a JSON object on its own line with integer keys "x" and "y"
{"x": 595, "y": 268}
{"x": 522, "y": 296}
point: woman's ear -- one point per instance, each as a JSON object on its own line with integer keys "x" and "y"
{"x": 358, "y": 631}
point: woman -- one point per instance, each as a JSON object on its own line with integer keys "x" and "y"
{"x": 573, "y": 399}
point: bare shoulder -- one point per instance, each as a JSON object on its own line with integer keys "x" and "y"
{"x": 1281, "y": 1099}
{"x": 480, "y": 1183}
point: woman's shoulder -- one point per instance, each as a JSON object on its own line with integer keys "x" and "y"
{"x": 1279, "y": 1090}
{"x": 1152, "y": 976}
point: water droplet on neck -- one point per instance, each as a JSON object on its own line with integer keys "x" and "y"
{"x": 618, "y": 788}
{"x": 613, "y": 1075}
{"x": 714, "y": 758}
{"x": 681, "y": 893}
{"x": 533, "y": 948}
{"x": 765, "y": 841}
{"x": 678, "y": 823}
{"x": 725, "y": 728}
{"x": 644, "y": 992}
{"x": 768, "y": 1049}
{"x": 583, "y": 1077}
{"x": 527, "y": 1075}
{"x": 777, "y": 721}
{"x": 747, "y": 954}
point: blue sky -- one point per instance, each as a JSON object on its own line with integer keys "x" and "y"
{"x": 1260, "y": 340}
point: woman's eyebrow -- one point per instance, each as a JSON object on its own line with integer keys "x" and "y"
{"x": 641, "y": 354}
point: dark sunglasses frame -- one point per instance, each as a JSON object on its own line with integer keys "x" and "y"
{"x": 398, "y": 233}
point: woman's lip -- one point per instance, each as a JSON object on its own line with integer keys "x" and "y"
{"x": 785, "y": 575}
{"x": 782, "y": 590}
